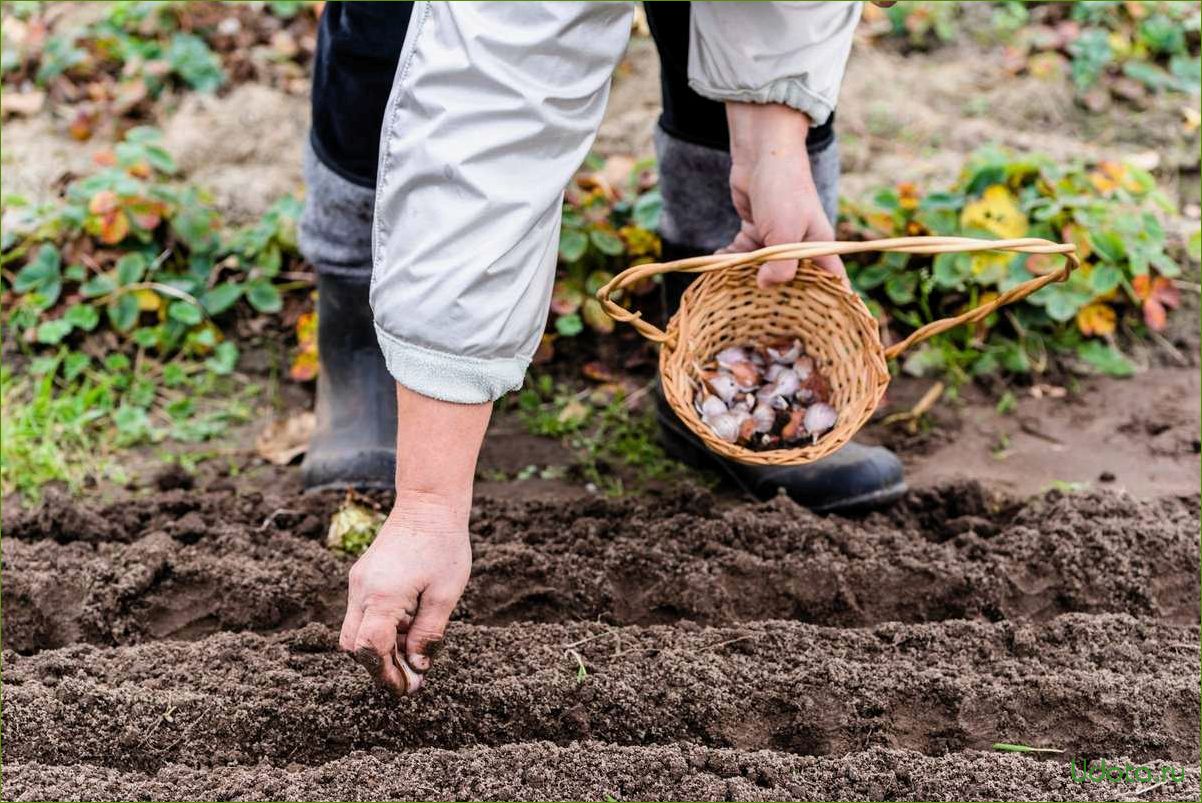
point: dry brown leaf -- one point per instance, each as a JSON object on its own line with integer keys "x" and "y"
{"x": 24, "y": 104}
{"x": 282, "y": 441}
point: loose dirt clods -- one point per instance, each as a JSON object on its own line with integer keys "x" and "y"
{"x": 679, "y": 647}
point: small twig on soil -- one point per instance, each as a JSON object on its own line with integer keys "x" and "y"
{"x": 1164, "y": 343}
{"x": 593, "y": 637}
{"x": 1139, "y": 792}
{"x": 706, "y": 648}
{"x": 1182, "y": 284}
{"x": 1036, "y": 432}
{"x": 188, "y": 730}
{"x": 910, "y": 417}
{"x": 1006, "y": 747}
{"x": 270, "y": 520}
{"x": 635, "y": 395}
{"x": 158, "y": 287}
{"x": 166, "y": 717}
{"x": 159, "y": 260}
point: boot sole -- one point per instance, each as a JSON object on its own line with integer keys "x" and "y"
{"x": 366, "y": 470}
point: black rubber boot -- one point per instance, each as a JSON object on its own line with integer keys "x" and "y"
{"x": 854, "y": 478}
{"x": 354, "y": 445}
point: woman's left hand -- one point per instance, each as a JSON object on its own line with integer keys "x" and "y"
{"x": 772, "y": 188}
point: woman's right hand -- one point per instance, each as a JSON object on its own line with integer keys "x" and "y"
{"x": 404, "y": 587}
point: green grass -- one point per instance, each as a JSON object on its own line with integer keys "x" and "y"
{"x": 1022, "y": 748}
{"x": 614, "y": 441}
{"x": 68, "y": 425}
{"x": 49, "y": 436}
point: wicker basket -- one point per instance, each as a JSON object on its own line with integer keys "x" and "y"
{"x": 725, "y": 307}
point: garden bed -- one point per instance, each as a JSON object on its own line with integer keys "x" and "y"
{"x": 182, "y": 643}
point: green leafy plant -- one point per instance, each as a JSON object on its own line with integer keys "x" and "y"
{"x": 66, "y": 414}
{"x": 922, "y": 23}
{"x": 606, "y": 228}
{"x": 1131, "y": 47}
{"x": 1111, "y": 212}
{"x": 121, "y": 294}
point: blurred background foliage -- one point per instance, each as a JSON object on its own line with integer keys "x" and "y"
{"x": 1107, "y": 47}
{"x": 125, "y": 300}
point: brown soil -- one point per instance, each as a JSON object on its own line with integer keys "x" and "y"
{"x": 758, "y": 652}
{"x": 590, "y": 770}
{"x": 1139, "y": 435}
{"x": 185, "y": 565}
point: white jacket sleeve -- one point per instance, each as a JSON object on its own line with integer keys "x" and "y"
{"x": 493, "y": 107}
{"x": 791, "y": 53}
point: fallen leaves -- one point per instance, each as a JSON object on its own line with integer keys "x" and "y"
{"x": 22, "y": 104}
{"x": 1109, "y": 176}
{"x": 353, "y": 527}
{"x": 305, "y": 363}
{"x": 284, "y": 440}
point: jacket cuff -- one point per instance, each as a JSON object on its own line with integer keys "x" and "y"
{"x": 789, "y": 91}
{"x": 448, "y": 377}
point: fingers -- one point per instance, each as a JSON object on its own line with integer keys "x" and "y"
{"x": 834, "y": 264}
{"x": 350, "y": 625}
{"x": 429, "y": 624}
{"x": 375, "y": 646}
{"x": 777, "y": 272}
{"x": 369, "y": 634}
{"x": 820, "y": 229}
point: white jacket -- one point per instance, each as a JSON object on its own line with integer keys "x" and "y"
{"x": 493, "y": 108}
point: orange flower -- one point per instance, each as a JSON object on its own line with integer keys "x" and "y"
{"x": 1096, "y": 319}
{"x": 1158, "y": 295}
{"x": 907, "y": 195}
{"x": 1110, "y": 176}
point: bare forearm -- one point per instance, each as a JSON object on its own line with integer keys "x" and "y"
{"x": 438, "y": 444}
{"x": 766, "y": 129}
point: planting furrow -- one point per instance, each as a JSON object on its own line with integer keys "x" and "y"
{"x": 1093, "y": 685}
{"x": 940, "y": 557}
{"x": 593, "y": 770}
{"x": 162, "y": 587}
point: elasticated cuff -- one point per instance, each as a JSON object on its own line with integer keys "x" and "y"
{"x": 450, "y": 377}
{"x": 789, "y": 91}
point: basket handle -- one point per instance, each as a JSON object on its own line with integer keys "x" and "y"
{"x": 905, "y": 245}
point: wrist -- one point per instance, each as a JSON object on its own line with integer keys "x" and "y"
{"x": 432, "y": 511}
{"x": 760, "y": 129}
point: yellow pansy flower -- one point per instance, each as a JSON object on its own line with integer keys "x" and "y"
{"x": 997, "y": 212}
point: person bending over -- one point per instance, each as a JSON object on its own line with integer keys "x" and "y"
{"x": 443, "y": 137}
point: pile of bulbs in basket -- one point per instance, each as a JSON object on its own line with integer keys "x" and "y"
{"x": 768, "y": 395}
